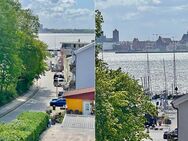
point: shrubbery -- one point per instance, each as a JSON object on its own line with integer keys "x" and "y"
{"x": 27, "y": 127}
{"x": 6, "y": 97}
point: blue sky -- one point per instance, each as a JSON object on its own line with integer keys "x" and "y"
{"x": 63, "y": 13}
{"x": 144, "y": 18}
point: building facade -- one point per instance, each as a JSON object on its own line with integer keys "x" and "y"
{"x": 116, "y": 35}
{"x": 80, "y": 101}
{"x": 85, "y": 66}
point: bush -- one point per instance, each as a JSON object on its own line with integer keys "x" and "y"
{"x": 27, "y": 127}
{"x": 58, "y": 117}
{"x": 23, "y": 86}
{"x": 6, "y": 97}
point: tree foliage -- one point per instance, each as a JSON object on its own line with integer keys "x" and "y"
{"x": 22, "y": 55}
{"x": 120, "y": 103}
{"x": 98, "y": 29}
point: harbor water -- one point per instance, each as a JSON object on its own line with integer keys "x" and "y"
{"x": 135, "y": 64}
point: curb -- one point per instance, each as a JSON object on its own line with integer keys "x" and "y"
{"x": 19, "y": 104}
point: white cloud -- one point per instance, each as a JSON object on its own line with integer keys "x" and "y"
{"x": 61, "y": 13}
{"x": 103, "y": 4}
{"x": 78, "y": 13}
{"x": 180, "y": 7}
{"x": 145, "y": 8}
{"x": 53, "y": 8}
{"x": 130, "y": 16}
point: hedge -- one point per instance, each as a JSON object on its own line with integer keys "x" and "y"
{"x": 27, "y": 127}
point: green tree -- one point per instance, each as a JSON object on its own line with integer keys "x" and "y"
{"x": 120, "y": 103}
{"x": 98, "y": 30}
{"x": 9, "y": 60}
{"x": 22, "y": 55}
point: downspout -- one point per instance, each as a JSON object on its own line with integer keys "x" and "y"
{"x": 177, "y": 116}
{"x": 75, "y": 66}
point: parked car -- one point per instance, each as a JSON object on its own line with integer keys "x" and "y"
{"x": 58, "y": 75}
{"x": 61, "y": 102}
{"x": 59, "y": 82}
{"x": 173, "y": 135}
{"x": 59, "y": 79}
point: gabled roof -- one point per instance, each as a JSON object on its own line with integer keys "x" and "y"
{"x": 84, "y": 48}
{"x": 79, "y": 91}
{"x": 184, "y": 38}
{"x": 164, "y": 40}
{"x": 180, "y": 100}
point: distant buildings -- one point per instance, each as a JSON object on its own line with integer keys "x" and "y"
{"x": 160, "y": 45}
{"x": 109, "y": 43}
{"x": 115, "y": 37}
{"x": 184, "y": 38}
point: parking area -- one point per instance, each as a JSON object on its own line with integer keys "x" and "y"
{"x": 157, "y": 135}
{"x": 73, "y": 128}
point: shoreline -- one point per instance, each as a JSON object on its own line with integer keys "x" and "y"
{"x": 124, "y": 52}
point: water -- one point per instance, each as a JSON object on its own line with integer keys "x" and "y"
{"x": 136, "y": 65}
{"x": 53, "y": 40}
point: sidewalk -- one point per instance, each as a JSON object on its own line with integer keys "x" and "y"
{"x": 4, "y": 110}
{"x": 73, "y": 128}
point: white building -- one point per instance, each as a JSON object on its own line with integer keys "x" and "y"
{"x": 108, "y": 46}
{"x": 85, "y": 66}
{"x": 181, "y": 104}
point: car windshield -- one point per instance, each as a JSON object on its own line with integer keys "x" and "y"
{"x": 54, "y": 99}
{"x": 63, "y": 99}
{"x": 58, "y": 76}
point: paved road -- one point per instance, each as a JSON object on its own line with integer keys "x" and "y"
{"x": 74, "y": 128}
{"x": 157, "y": 135}
{"x": 39, "y": 102}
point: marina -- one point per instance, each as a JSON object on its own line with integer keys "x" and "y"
{"x": 135, "y": 64}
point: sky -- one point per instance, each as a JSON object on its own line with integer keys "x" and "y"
{"x": 144, "y": 19}
{"x": 63, "y": 14}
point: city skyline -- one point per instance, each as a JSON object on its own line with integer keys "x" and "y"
{"x": 63, "y": 14}
{"x": 144, "y": 19}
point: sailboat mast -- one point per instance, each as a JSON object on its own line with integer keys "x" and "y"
{"x": 165, "y": 74}
{"x": 148, "y": 73}
{"x": 174, "y": 64}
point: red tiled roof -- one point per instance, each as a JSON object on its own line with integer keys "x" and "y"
{"x": 79, "y": 91}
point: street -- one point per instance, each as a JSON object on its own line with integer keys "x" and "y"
{"x": 40, "y": 101}
{"x": 157, "y": 135}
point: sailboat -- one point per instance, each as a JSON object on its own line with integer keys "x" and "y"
{"x": 164, "y": 97}
{"x": 146, "y": 82}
